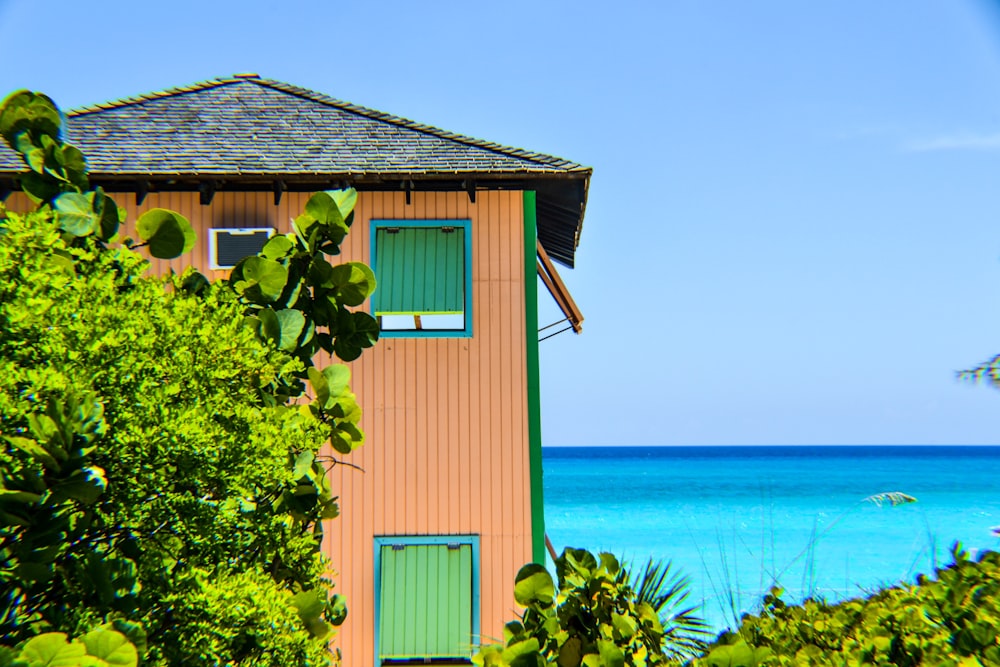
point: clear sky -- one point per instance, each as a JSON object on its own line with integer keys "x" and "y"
{"x": 793, "y": 233}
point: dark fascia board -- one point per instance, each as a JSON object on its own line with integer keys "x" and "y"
{"x": 561, "y": 198}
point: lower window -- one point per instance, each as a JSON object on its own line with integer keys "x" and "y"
{"x": 427, "y": 599}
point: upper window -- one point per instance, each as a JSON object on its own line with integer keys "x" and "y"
{"x": 227, "y": 246}
{"x": 423, "y": 274}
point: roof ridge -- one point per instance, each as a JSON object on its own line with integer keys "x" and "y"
{"x": 511, "y": 151}
{"x": 544, "y": 158}
{"x": 155, "y": 95}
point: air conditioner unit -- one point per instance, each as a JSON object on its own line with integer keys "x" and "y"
{"x": 227, "y": 246}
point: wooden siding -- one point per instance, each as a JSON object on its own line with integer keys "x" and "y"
{"x": 446, "y": 419}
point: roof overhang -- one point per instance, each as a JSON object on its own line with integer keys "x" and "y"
{"x": 561, "y": 199}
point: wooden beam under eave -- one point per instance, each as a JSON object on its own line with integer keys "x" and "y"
{"x": 558, "y": 289}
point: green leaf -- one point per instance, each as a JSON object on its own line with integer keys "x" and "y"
{"x": 112, "y": 647}
{"x": 133, "y": 631}
{"x": 338, "y": 377}
{"x": 270, "y": 327}
{"x": 345, "y": 200}
{"x": 195, "y": 283}
{"x": 39, "y": 188}
{"x": 291, "y": 322}
{"x": 523, "y": 653}
{"x": 75, "y": 166}
{"x": 533, "y": 587}
{"x": 320, "y": 272}
{"x": 7, "y": 495}
{"x": 107, "y": 213}
{"x": 75, "y": 213}
{"x": 52, "y": 650}
{"x": 323, "y": 208}
{"x": 277, "y": 247}
{"x": 85, "y": 485}
{"x": 36, "y": 451}
{"x": 611, "y": 655}
{"x": 24, "y": 110}
{"x": 269, "y": 278}
{"x": 353, "y": 282}
{"x": 168, "y": 234}
{"x": 338, "y": 609}
{"x": 609, "y": 563}
{"x": 626, "y": 626}
{"x": 303, "y": 464}
{"x": 311, "y": 605}
{"x": 570, "y": 653}
{"x": 355, "y": 332}
{"x": 34, "y": 156}
{"x": 34, "y": 572}
{"x": 320, "y": 386}
{"x": 739, "y": 654}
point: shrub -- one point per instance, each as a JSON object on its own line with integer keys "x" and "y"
{"x": 950, "y": 620}
{"x": 160, "y": 488}
{"x": 596, "y": 618}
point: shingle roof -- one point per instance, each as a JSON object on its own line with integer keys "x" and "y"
{"x": 242, "y": 130}
{"x": 242, "y": 125}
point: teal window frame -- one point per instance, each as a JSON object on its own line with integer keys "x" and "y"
{"x": 424, "y": 540}
{"x": 466, "y": 226}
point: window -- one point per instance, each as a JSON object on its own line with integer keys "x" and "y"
{"x": 427, "y": 598}
{"x": 226, "y": 247}
{"x": 423, "y": 271}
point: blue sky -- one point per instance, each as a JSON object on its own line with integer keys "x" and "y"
{"x": 793, "y": 233}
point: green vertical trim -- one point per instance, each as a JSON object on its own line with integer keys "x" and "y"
{"x": 534, "y": 390}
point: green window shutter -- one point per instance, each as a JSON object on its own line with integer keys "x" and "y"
{"x": 425, "y": 606}
{"x": 419, "y": 270}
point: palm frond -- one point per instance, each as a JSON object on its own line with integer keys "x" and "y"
{"x": 988, "y": 371}
{"x": 667, "y": 591}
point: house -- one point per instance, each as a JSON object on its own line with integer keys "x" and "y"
{"x": 449, "y": 503}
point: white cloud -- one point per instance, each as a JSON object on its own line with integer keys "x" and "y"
{"x": 957, "y": 142}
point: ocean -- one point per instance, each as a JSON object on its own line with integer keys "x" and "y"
{"x": 736, "y": 520}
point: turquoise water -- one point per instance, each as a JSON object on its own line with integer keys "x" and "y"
{"x": 737, "y": 519}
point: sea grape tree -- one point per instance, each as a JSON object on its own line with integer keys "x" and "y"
{"x": 158, "y": 479}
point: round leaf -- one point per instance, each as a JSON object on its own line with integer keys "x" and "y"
{"x": 75, "y": 213}
{"x": 267, "y": 275}
{"x": 533, "y": 586}
{"x": 107, "y": 213}
{"x": 338, "y": 377}
{"x": 24, "y": 110}
{"x": 112, "y": 647}
{"x": 168, "y": 234}
{"x": 353, "y": 281}
{"x": 52, "y": 650}
{"x": 291, "y": 322}
{"x": 338, "y": 609}
{"x": 322, "y": 207}
{"x": 39, "y": 188}
{"x": 277, "y": 247}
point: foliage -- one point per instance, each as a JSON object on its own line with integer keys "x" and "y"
{"x": 952, "y": 619}
{"x": 988, "y": 372}
{"x": 300, "y": 303}
{"x": 101, "y": 647}
{"x": 594, "y": 619}
{"x": 57, "y": 179}
{"x": 666, "y": 592}
{"x": 155, "y": 475}
{"x": 142, "y": 467}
